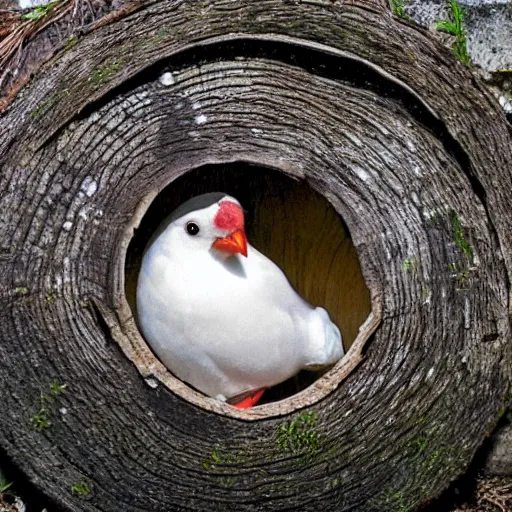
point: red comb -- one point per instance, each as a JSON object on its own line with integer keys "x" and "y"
{"x": 230, "y": 216}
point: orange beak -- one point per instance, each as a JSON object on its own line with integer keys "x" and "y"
{"x": 235, "y": 243}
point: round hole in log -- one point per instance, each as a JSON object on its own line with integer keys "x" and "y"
{"x": 290, "y": 223}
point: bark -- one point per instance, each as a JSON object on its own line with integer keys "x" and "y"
{"x": 379, "y": 119}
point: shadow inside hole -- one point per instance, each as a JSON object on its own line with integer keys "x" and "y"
{"x": 291, "y": 224}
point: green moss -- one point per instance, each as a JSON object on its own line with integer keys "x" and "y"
{"x": 294, "y": 24}
{"x": 456, "y": 28}
{"x": 409, "y": 264}
{"x": 104, "y": 74}
{"x": 390, "y": 500}
{"x": 458, "y": 236}
{"x": 219, "y": 457}
{"x": 71, "y": 41}
{"x": 82, "y": 488}
{"x": 418, "y": 444}
{"x": 48, "y": 103}
{"x": 336, "y": 482}
{"x": 299, "y": 437}
{"x": 50, "y": 297}
{"x": 21, "y": 290}
{"x": 38, "y": 111}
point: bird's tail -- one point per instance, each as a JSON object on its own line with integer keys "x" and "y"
{"x": 325, "y": 341}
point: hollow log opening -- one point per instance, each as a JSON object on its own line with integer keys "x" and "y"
{"x": 291, "y": 224}
{"x": 378, "y": 120}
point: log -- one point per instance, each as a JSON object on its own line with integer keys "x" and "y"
{"x": 359, "y": 117}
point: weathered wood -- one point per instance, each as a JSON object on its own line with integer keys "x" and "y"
{"x": 382, "y": 122}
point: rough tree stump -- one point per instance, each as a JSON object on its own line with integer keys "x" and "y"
{"x": 369, "y": 112}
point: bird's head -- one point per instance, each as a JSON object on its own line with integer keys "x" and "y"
{"x": 212, "y": 222}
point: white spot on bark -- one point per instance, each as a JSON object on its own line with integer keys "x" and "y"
{"x": 417, "y": 170}
{"x": 467, "y": 313}
{"x": 430, "y": 373}
{"x": 66, "y": 270}
{"x": 430, "y": 214}
{"x": 505, "y": 105}
{"x": 83, "y": 213}
{"x": 410, "y": 146}
{"x": 361, "y": 173}
{"x": 355, "y": 140}
{"x": 179, "y": 105}
{"x": 256, "y": 130}
{"x": 194, "y": 134}
{"x": 89, "y": 186}
{"x": 201, "y": 119}
{"x": 67, "y": 225}
{"x": 196, "y": 105}
{"x": 63, "y": 411}
{"x": 152, "y": 383}
{"x": 167, "y": 79}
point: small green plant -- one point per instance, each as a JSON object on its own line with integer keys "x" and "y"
{"x": 82, "y": 488}
{"x": 50, "y": 297}
{"x": 21, "y": 290}
{"x": 456, "y": 28}
{"x": 460, "y": 240}
{"x": 460, "y": 273}
{"x": 39, "y": 12}
{"x": 409, "y": 264}
{"x": 4, "y": 484}
{"x": 398, "y": 8}
{"x": 57, "y": 388}
{"x": 298, "y": 437}
{"x": 418, "y": 445}
{"x": 41, "y": 420}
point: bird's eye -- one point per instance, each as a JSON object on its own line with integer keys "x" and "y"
{"x": 192, "y": 228}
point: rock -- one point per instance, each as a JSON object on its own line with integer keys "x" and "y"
{"x": 499, "y": 460}
{"x": 488, "y": 24}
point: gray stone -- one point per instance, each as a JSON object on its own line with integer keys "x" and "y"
{"x": 488, "y": 24}
{"x": 499, "y": 459}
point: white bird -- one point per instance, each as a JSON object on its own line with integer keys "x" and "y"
{"x": 219, "y": 314}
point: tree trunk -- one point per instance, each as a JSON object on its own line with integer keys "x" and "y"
{"x": 381, "y": 121}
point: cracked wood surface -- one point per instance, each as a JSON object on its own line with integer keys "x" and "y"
{"x": 404, "y": 143}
